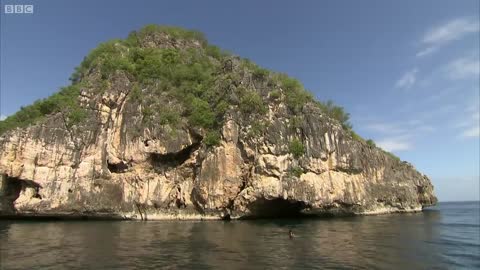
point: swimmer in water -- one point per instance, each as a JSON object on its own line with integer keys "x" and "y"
{"x": 290, "y": 234}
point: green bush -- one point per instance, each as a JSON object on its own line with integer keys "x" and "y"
{"x": 251, "y": 103}
{"x": 214, "y": 52}
{"x": 112, "y": 63}
{"x": 296, "y": 121}
{"x": 356, "y": 137}
{"x": 392, "y": 156}
{"x": 295, "y": 95}
{"x": 371, "y": 143}
{"x": 64, "y": 101}
{"x": 259, "y": 73}
{"x": 221, "y": 108}
{"x": 105, "y": 51}
{"x": 132, "y": 40}
{"x": 75, "y": 116}
{"x": 169, "y": 116}
{"x": 296, "y": 171}
{"x": 337, "y": 113}
{"x": 147, "y": 113}
{"x": 149, "y": 65}
{"x": 136, "y": 93}
{"x": 289, "y": 84}
{"x": 212, "y": 138}
{"x": 257, "y": 128}
{"x": 169, "y": 57}
{"x": 296, "y": 148}
{"x": 172, "y": 31}
{"x": 275, "y": 94}
{"x": 201, "y": 114}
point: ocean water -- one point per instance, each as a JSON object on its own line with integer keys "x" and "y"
{"x": 443, "y": 237}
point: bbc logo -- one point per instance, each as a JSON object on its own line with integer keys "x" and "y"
{"x": 18, "y": 9}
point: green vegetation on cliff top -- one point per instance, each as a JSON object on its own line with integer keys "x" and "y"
{"x": 190, "y": 73}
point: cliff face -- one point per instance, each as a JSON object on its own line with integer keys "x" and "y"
{"x": 115, "y": 164}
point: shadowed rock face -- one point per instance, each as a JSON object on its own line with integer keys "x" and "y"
{"x": 106, "y": 167}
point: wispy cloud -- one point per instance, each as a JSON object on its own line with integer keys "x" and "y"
{"x": 446, "y": 33}
{"x": 465, "y": 67}
{"x": 470, "y": 127}
{"x": 471, "y": 132}
{"x": 462, "y": 68}
{"x": 395, "y": 144}
{"x": 399, "y": 136}
{"x": 427, "y": 51}
{"x": 385, "y": 128}
{"x": 407, "y": 80}
{"x": 452, "y": 30}
{"x": 441, "y": 94}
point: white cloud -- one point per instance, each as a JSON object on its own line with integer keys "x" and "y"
{"x": 427, "y": 51}
{"x": 447, "y": 76}
{"x": 446, "y": 33}
{"x": 385, "y": 128}
{"x": 407, "y": 80}
{"x": 462, "y": 68}
{"x": 406, "y": 128}
{"x": 401, "y": 135}
{"x": 394, "y": 144}
{"x": 453, "y": 30}
{"x": 441, "y": 94}
{"x": 471, "y": 132}
{"x": 2, "y": 117}
{"x": 471, "y": 126}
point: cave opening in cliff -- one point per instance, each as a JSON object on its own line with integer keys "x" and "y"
{"x": 173, "y": 159}
{"x": 10, "y": 189}
{"x": 277, "y": 208}
{"x": 120, "y": 167}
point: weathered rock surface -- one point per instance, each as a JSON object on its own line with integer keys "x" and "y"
{"x": 105, "y": 169}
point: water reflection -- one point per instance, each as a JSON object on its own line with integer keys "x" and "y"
{"x": 409, "y": 241}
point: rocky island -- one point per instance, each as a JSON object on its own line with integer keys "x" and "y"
{"x": 163, "y": 125}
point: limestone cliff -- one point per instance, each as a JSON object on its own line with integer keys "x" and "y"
{"x": 127, "y": 158}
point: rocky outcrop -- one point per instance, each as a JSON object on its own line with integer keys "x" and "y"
{"x": 113, "y": 166}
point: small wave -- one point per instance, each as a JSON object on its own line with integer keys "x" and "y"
{"x": 454, "y": 243}
{"x": 470, "y": 225}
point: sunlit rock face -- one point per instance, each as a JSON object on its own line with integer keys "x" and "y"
{"x": 114, "y": 166}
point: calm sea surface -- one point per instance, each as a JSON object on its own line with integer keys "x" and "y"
{"x": 444, "y": 237}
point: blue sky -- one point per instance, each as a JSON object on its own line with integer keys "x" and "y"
{"x": 407, "y": 71}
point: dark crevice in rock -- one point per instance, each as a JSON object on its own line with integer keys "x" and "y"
{"x": 276, "y": 208}
{"x": 9, "y": 192}
{"x": 10, "y": 189}
{"x": 142, "y": 210}
{"x": 109, "y": 124}
{"x": 246, "y": 175}
{"x": 243, "y": 152}
{"x": 119, "y": 167}
{"x": 179, "y": 201}
{"x": 349, "y": 170}
{"x": 197, "y": 201}
{"x": 172, "y": 160}
{"x": 231, "y": 202}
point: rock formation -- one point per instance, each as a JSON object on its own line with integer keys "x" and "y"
{"x": 123, "y": 161}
